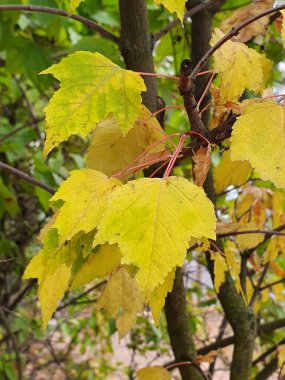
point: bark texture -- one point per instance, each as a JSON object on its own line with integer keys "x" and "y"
{"x": 177, "y": 318}
{"x": 137, "y": 45}
{"x": 240, "y": 317}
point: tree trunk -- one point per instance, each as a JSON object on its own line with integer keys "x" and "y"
{"x": 240, "y": 317}
{"x": 137, "y": 45}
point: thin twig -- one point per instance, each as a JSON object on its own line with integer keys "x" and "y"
{"x": 272, "y": 284}
{"x": 26, "y": 177}
{"x": 268, "y": 352}
{"x": 233, "y": 32}
{"x": 60, "y": 12}
{"x": 232, "y": 233}
{"x": 14, "y": 343}
{"x": 258, "y": 286}
{"x": 157, "y": 36}
{"x": 16, "y": 130}
{"x": 74, "y": 299}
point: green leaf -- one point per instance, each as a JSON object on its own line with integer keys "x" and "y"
{"x": 90, "y": 88}
{"x": 152, "y": 220}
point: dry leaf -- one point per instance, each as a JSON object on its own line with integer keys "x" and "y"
{"x": 252, "y": 30}
{"x": 202, "y": 160}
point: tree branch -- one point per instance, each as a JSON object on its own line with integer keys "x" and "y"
{"x": 157, "y": 36}
{"x": 258, "y": 286}
{"x": 266, "y": 232}
{"x": 26, "y": 177}
{"x": 16, "y": 130}
{"x": 60, "y": 12}
{"x": 262, "y": 329}
{"x": 233, "y": 32}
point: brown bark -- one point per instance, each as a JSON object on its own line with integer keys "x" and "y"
{"x": 137, "y": 45}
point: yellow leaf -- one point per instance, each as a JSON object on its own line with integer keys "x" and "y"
{"x": 91, "y": 85}
{"x": 202, "y": 160}
{"x": 122, "y": 299}
{"x": 233, "y": 263}
{"x": 111, "y": 150}
{"x": 73, "y": 4}
{"x": 153, "y": 373}
{"x": 281, "y": 359}
{"x": 241, "y": 14}
{"x": 85, "y": 194}
{"x": 177, "y": 6}
{"x": 239, "y": 67}
{"x": 153, "y": 220}
{"x": 97, "y": 265}
{"x": 220, "y": 269}
{"x": 230, "y": 172}
{"x": 250, "y": 240}
{"x": 259, "y": 137}
{"x": 52, "y": 290}
{"x": 53, "y": 273}
{"x": 157, "y": 296}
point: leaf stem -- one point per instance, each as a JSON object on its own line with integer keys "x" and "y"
{"x": 158, "y": 75}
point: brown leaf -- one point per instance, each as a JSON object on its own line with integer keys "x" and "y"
{"x": 202, "y": 160}
{"x": 252, "y": 30}
{"x": 208, "y": 358}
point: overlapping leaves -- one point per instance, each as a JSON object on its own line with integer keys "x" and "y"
{"x": 91, "y": 85}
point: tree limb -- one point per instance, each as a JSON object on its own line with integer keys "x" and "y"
{"x": 26, "y": 177}
{"x": 233, "y": 32}
{"x": 60, "y": 12}
{"x": 157, "y": 36}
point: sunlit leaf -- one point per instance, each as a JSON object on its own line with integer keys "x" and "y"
{"x": 239, "y": 68}
{"x": 91, "y": 85}
{"x": 259, "y": 137}
{"x": 152, "y": 220}
{"x": 157, "y": 297}
{"x": 85, "y": 194}
{"x": 220, "y": 269}
{"x": 177, "y": 6}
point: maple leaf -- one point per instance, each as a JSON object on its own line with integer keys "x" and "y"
{"x": 73, "y": 4}
{"x": 239, "y": 67}
{"x": 85, "y": 194}
{"x": 240, "y": 15}
{"x": 230, "y": 172}
{"x": 233, "y": 263}
{"x": 202, "y": 160}
{"x": 122, "y": 299}
{"x": 91, "y": 85}
{"x": 220, "y": 269}
{"x": 111, "y": 150}
{"x": 53, "y": 272}
{"x": 157, "y": 296}
{"x": 152, "y": 220}
{"x": 177, "y": 6}
{"x": 97, "y": 265}
{"x": 259, "y": 137}
{"x": 153, "y": 373}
